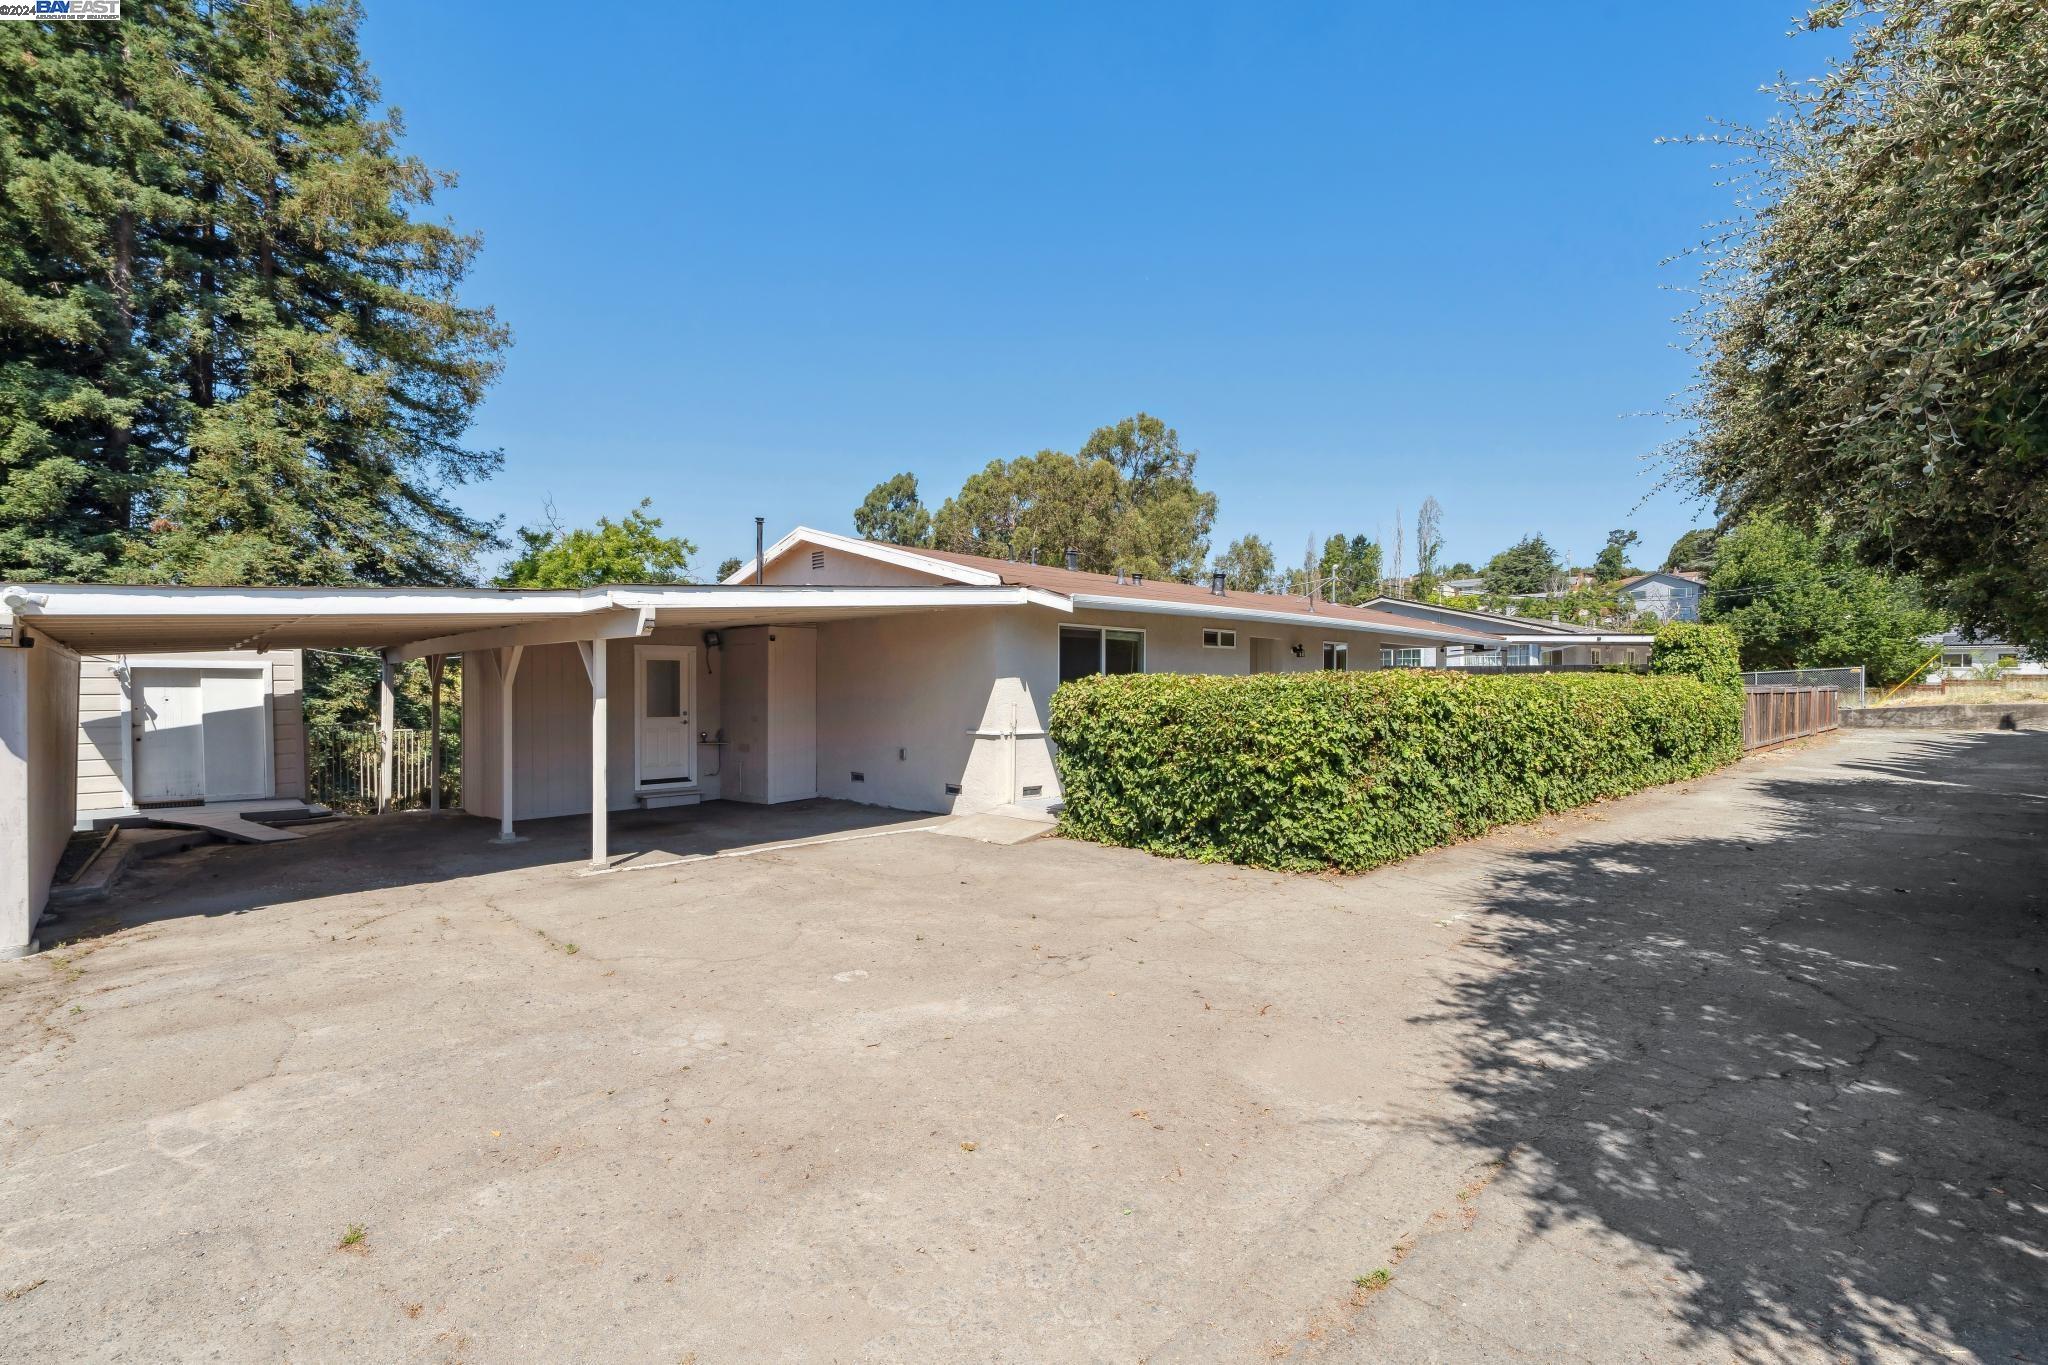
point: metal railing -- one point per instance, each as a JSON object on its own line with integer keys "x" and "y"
{"x": 1849, "y": 681}
{"x": 342, "y": 773}
{"x": 1772, "y": 715}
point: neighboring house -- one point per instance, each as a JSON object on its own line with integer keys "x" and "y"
{"x": 1520, "y": 641}
{"x": 1462, "y": 587}
{"x": 166, "y": 730}
{"x": 906, "y": 678}
{"x": 1965, "y": 656}
{"x": 1667, "y": 596}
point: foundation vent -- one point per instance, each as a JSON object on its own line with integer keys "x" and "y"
{"x": 952, "y": 789}
{"x": 860, "y": 777}
{"x": 1034, "y": 791}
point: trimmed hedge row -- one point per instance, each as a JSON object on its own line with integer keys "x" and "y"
{"x": 1350, "y": 770}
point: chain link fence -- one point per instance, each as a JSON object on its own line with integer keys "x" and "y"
{"x": 1849, "y": 681}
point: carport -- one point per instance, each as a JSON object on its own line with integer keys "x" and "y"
{"x": 46, "y": 629}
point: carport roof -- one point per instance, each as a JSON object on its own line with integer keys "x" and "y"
{"x": 418, "y": 621}
{"x": 415, "y": 622}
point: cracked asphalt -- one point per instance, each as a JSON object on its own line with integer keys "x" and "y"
{"x": 1747, "y": 1068}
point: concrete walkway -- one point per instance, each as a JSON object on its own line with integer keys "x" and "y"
{"x": 1750, "y": 1068}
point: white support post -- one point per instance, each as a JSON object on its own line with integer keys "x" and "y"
{"x": 434, "y": 665}
{"x": 387, "y": 724}
{"x": 600, "y": 785}
{"x": 508, "y": 669}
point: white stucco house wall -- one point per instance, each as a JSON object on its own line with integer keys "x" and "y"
{"x": 1667, "y": 596}
{"x": 836, "y": 667}
{"x": 170, "y": 729}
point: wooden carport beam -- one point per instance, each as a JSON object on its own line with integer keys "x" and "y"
{"x": 619, "y": 623}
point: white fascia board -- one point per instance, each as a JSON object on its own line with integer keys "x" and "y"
{"x": 727, "y": 600}
{"x": 74, "y": 600}
{"x": 868, "y": 549}
{"x": 1099, "y": 602}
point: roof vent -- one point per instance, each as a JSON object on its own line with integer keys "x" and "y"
{"x": 1031, "y": 555}
{"x": 1216, "y": 582}
{"x": 1073, "y": 561}
{"x": 1119, "y": 575}
{"x": 1136, "y": 579}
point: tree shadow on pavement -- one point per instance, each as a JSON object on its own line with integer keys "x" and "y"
{"x": 1806, "y": 1060}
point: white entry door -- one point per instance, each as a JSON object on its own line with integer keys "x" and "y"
{"x": 203, "y": 734}
{"x": 662, "y": 718}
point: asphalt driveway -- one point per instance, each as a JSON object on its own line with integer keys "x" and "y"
{"x": 1751, "y": 1067}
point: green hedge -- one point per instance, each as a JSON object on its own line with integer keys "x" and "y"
{"x": 1709, "y": 653}
{"x": 1351, "y": 770}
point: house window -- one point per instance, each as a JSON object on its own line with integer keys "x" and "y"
{"x": 1094, "y": 649}
{"x": 1219, "y": 639}
{"x": 1957, "y": 661}
{"x": 1336, "y": 657}
{"x": 1400, "y": 658}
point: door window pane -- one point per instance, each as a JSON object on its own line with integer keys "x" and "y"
{"x": 1123, "y": 651}
{"x": 664, "y": 688}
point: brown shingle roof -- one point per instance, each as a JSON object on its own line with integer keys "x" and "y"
{"x": 1070, "y": 583}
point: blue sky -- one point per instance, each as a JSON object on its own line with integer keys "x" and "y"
{"x": 758, "y": 257}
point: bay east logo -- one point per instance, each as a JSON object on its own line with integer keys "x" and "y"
{"x": 60, "y": 9}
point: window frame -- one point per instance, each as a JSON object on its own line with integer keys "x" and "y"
{"x": 1215, "y": 637}
{"x": 1102, "y": 634}
{"x": 1390, "y": 656}
{"x": 1339, "y": 650}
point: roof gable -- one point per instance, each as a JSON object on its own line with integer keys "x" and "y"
{"x": 1676, "y": 580}
{"x": 804, "y": 540}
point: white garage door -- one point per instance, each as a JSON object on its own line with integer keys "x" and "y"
{"x": 203, "y": 734}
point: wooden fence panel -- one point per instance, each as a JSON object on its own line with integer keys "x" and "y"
{"x": 1772, "y": 715}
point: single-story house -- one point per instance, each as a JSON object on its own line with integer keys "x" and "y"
{"x": 1966, "y": 656}
{"x": 835, "y": 667}
{"x": 167, "y": 729}
{"x": 1667, "y": 596}
{"x": 1513, "y": 641}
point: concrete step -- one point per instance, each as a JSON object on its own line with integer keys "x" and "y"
{"x": 659, "y": 800}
